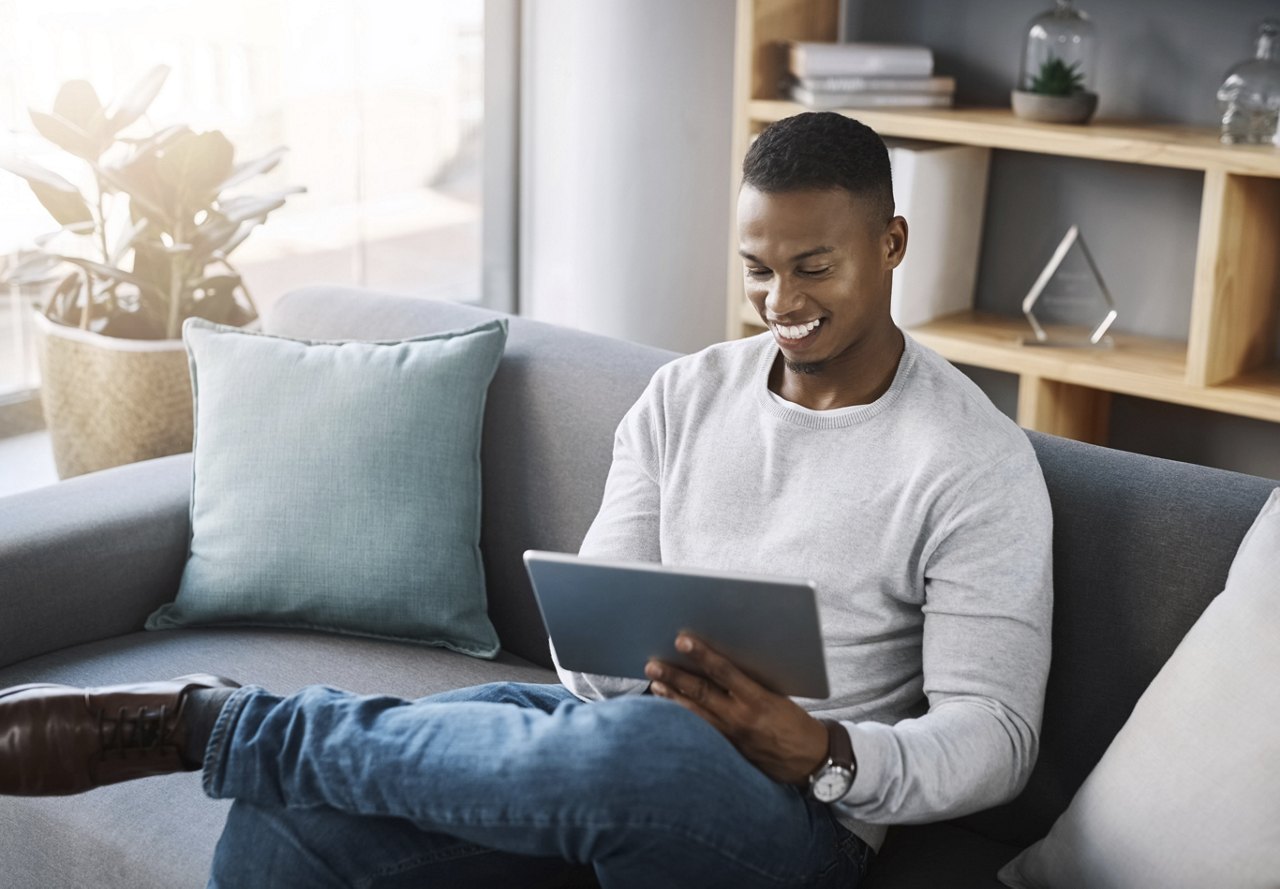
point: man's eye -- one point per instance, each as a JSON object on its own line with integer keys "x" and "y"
{"x": 811, "y": 272}
{"x": 758, "y": 273}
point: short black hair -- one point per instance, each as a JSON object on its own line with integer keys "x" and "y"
{"x": 821, "y": 151}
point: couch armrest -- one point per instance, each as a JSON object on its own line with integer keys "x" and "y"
{"x": 89, "y": 558}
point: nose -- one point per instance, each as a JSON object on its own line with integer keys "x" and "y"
{"x": 783, "y": 297}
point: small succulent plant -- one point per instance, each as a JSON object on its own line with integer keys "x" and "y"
{"x": 1057, "y": 78}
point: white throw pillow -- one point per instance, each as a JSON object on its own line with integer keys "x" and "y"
{"x": 1188, "y": 793}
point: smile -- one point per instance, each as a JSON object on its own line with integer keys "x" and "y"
{"x": 795, "y": 333}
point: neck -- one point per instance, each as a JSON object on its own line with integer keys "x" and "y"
{"x": 859, "y": 375}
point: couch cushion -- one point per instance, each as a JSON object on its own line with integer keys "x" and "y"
{"x": 1188, "y": 794}
{"x": 552, "y": 410}
{"x": 337, "y": 485}
{"x": 160, "y": 833}
{"x": 937, "y": 856}
{"x": 1140, "y": 547}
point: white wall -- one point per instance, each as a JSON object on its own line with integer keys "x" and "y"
{"x": 626, "y": 117}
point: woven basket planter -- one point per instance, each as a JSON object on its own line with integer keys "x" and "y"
{"x": 110, "y": 401}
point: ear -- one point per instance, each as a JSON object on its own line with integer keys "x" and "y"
{"x": 894, "y": 243}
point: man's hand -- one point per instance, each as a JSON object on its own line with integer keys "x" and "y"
{"x": 769, "y": 729}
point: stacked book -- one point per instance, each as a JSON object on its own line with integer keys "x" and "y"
{"x": 866, "y": 75}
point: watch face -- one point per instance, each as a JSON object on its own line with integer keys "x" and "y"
{"x": 831, "y": 784}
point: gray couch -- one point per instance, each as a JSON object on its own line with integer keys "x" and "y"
{"x": 1141, "y": 546}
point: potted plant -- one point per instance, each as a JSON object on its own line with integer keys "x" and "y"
{"x": 1057, "y": 95}
{"x": 146, "y": 248}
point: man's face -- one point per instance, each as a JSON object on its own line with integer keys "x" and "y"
{"x": 818, "y": 269}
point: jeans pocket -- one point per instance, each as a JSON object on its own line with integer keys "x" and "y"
{"x": 854, "y": 851}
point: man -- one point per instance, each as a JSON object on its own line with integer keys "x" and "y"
{"x": 832, "y": 445}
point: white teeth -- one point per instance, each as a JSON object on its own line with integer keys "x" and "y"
{"x": 797, "y": 331}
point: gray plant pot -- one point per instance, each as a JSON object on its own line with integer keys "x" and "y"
{"x": 1077, "y": 108}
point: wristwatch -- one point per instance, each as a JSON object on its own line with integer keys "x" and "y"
{"x": 832, "y": 780}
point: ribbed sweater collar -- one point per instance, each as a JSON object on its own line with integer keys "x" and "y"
{"x": 836, "y": 419}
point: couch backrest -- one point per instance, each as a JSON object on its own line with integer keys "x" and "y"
{"x": 1140, "y": 547}
{"x": 548, "y": 433}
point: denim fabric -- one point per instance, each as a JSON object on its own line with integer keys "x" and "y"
{"x": 505, "y": 785}
{"x": 337, "y": 485}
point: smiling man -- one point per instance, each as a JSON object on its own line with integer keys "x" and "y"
{"x": 832, "y": 446}
{"x": 818, "y": 264}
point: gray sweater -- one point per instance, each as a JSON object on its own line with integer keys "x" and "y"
{"x": 924, "y": 520}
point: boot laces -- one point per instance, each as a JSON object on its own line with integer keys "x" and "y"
{"x": 146, "y": 731}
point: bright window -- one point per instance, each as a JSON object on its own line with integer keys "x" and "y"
{"x": 380, "y": 103}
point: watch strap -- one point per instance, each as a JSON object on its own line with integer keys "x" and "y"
{"x": 839, "y": 746}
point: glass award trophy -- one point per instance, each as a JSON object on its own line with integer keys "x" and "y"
{"x": 1069, "y": 305}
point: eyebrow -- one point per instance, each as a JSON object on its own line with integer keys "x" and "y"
{"x": 799, "y": 257}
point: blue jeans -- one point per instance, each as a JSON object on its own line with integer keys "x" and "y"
{"x": 504, "y": 785}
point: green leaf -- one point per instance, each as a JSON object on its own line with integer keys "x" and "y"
{"x": 34, "y": 172}
{"x": 214, "y": 298}
{"x": 135, "y": 103}
{"x": 156, "y": 140}
{"x": 77, "y": 124}
{"x": 62, "y": 199}
{"x": 152, "y": 264}
{"x": 67, "y": 208}
{"x": 127, "y": 239}
{"x": 84, "y": 229}
{"x": 61, "y": 303}
{"x": 193, "y": 165}
{"x": 245, "y": 171}
{"x": 239, "y": 209}
{"x": 246, "y": 229}
{"x": 212, "y": 234}
{"x": 110, "y": 273}
{"x": 78, "y": 104}
{"x": 1057, "y": 78}
{"x": 34, "y": 270}
{"x": 138, "y": 176}
{"x": 66, "y": 136}
{"x": 140, "y": 180}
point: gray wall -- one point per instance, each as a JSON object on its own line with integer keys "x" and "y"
{"x": 1156, "y": 61}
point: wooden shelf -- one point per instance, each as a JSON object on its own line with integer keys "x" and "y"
{"x": 1160, "y": 145}
{"x": 1141, "y": 366}
{"x": 1228, "y": 361}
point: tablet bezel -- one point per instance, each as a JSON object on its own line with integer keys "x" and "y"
{"x": 608, "y": 617}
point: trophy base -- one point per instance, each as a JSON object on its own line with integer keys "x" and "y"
{"x": 1068, "y": 342}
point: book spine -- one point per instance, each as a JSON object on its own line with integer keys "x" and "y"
{"x": 829, "y": 100}
{"x": 880, "y": 84}
{"x": 859, "y": 60}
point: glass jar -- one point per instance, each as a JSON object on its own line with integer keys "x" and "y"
{"x": 1249, "y": 99}
{"x": 1058, "y": 57}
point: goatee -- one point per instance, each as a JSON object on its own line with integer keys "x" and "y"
{"x": 808, "y": 368}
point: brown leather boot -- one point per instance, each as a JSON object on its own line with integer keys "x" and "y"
{"x": 55, "y": 739}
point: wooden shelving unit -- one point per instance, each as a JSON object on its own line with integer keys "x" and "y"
{"x": 1228, "y": 362}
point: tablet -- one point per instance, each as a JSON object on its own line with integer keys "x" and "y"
{"x": 610, "y": 617}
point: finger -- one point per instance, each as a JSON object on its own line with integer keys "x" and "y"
{"x": 662, "y": 690}
{"x": 657, "y": 669}
{"x": 722, "y": 671}
{"x": 689, "y": 685}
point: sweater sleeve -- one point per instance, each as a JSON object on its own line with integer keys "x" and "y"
{"x": 627, "y": 526}
{"x": 987, "y": 613}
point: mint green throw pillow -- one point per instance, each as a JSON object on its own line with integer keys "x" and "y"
{"x": 336, "y": 486}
